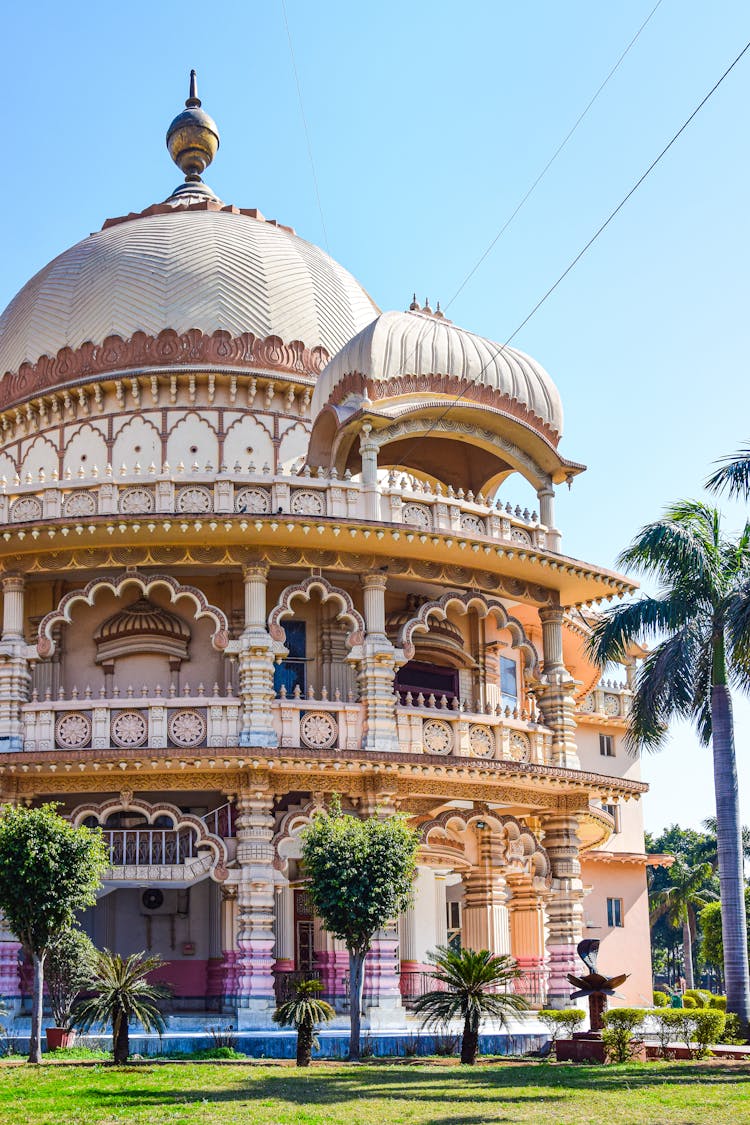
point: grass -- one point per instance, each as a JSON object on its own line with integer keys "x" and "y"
{"x": 377, "y": 1094}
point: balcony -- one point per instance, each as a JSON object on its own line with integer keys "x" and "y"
{"x": 318, "y": 723}
{"x": 433, "y": 725}
{"x": 607, "y": 704}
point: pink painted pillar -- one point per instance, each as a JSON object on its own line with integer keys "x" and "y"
{"x": 564, "y": 905}
{"x": 383, "y": 972}
{"x": 255, "y": 897}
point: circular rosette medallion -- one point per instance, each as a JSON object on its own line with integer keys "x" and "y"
{"x": 481, "y": 741}
{"x": 437, "y": 737}
{"x": 187, "y": 728}
{"x": 73, "y": 730}
{"x": 318, "y": 730}
{"x": 519, "y": 747}
{"x": 129, "y": 728}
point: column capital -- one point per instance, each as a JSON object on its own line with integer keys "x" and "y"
{"x": 551, "y": 613}
{"x": 13, "y": 583}
{"x": 374, "y": 580}
{"x": 367, "y": 442}
{"x": 254, "y": 572}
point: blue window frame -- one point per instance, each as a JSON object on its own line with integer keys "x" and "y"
{"x": 508, "y": 682}
{"x": 290, "y": 673}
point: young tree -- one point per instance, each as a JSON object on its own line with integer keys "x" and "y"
{"x": 360, "y": 875}
{"x": 304, "y": 1012}
{"x": 688, "y": 892}
{"x": 49, "y": 870}
{"x": 712, "y": 943}
{"x": 69, "y": 967}
{"x": 123, "y": 993}
{"x": 700, "y": 619}
{"x": 473, "y": 986}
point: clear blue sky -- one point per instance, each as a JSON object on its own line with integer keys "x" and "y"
{"x": 428, "y": 122}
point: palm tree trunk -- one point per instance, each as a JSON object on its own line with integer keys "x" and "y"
{"x": 687, "y": 953}
{"x": 469, "y": 1042}
{"x": 304, "y": 1044}
{"x": 121, "y": 1045}
{"x": 729, "y": 839}
{"x": 356, "y": 984}
{"x": 35, "y": 1037}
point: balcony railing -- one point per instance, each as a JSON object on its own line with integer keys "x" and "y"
{"x": 130, "y": 847}
{"x": 434, "y": 725}
{"x": 608, "y": 701}
{"x": 317, "y": 721}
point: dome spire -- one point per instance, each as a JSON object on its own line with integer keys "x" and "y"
{"x": 193, "y": 141}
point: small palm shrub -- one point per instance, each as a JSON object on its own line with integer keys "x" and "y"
{"x": 618, "y": 1036}
{"x": 661, "y": 1000}
{"x": 304, "y": 1012}
{"x": 472, "y": 986}
{"x": 123, "y": 993}
{"x": 561, "y": 1023}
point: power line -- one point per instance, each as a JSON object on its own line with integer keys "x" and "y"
{"x": 304, "y": 123}
{"x": 600, "y": 230}
{"x": 550, "y": 162}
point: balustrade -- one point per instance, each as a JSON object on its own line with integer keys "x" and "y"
{"x": 434, "y": 725}
{"x": 609, "y": 700}
{"x": 318, "y": 723}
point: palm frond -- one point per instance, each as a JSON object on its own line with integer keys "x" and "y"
{"x": 124, "y": 992}
{"x": 664, "y": 689}
{"x": 622, "y": 625}
{"x": 472, "y": 985}
{"x": 733, "y": 476}
{"x": 681, "y": 545}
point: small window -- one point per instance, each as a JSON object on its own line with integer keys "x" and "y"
{"x": 454, "y": 925}
{"x": 606, "y": 746}
{"x": 614, "y": 812}
{"x": 290, "y": 673}
{"x": 614, "y": 912}
{"x": 509, "y": 682}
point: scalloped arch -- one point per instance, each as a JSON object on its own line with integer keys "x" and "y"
{"x": 145, "y": 583}
{"x": 304, "y": 590}
{"x": 523, "y": 852}
{"x": 179, "y": 820}
{"x": 420, "y": 623}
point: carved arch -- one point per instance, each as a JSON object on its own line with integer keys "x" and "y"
{"x": 126, "y": 802}
{"x": 420, "y": 623}
{"x": 522, "y": 853}
{"x": 145, "y": 583}
{"x": 347, "y": 613}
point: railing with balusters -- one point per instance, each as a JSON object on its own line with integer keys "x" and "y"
{"x": 436, "y": 725}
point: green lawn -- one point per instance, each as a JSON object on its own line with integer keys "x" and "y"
{"x": 379, "y": 1094}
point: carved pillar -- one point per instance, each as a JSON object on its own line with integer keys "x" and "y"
{"x": 555, "y": 691}
{"x": 256, "y": 664}
{"x": 546, "y": 497}
{"x": 331, "y": 965}
{"x": 378, "y": 661}
{"x": 284, "y": 948}
{"x": 485, "y": 913}
{"x": 526, "y": 913}
{"x": 368, "y": 448}
{"x": 255, "y": 898}
{"x": 418, "y": 931}
{"x": 14, "y": 666}
{"x": 215, "y": 969}
{"x": 564, "y": 904}
{"x": 229, "y": 934}
{"x": 441, "y": 908}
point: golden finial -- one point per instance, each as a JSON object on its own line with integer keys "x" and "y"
{"x": 193, "y": 138}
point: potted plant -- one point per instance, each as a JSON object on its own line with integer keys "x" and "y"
{"x": 68, "y": 970}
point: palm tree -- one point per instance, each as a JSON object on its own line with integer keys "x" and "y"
{"x": 473, "y": 986}
{"x": 123, "y": 993}
{"x": 733, "y": 477}
{"x": 700, "y": 618}
{"x": 303, "y": 1012}
{"x": 687, "y": 893}
{"x": 709, "y": 851}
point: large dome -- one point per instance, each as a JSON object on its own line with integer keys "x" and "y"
{"x": 201, "y": 268}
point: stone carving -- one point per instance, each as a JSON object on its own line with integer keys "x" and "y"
{"x": 519, "y": 746}
{"x": 473, "y": 524}
{"x": 27, "y": 508}
{"x": 255, "y": 501}
{"x": 73, "y": 730}
{"x": 481, "y": 741}
{"x": 80, "y": 504}
{"x": 129, "y": 729}
{"x": 194, "y": 498}
{"x": 518, "y": 535}
{"x": 437, "y": 737}
{"x": 418, "y": 515}
{"x": 307, "y": 503}
{"x": 187, "y": 728}
{"x": 611, "y": 705}
{"x": 587, "y": 704}
{"x": 134, "y": 501}
{"x": 318, "y": 730}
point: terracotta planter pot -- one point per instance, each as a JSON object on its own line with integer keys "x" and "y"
{"x": 58, "y": 1037}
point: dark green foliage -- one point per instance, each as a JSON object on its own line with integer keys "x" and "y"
{"x": 472, "y": 986}
{"x": 661, "y": 1000}
{"x": 69, "y": 966}
{"x": 561, "y": 1022}
{"x": 49, "y": 871}
{"x": 712, "y": 944}
{"x": 123, "y": 993}
{"x": 618, "y": 1036}
{"x": 304, "y": 1012}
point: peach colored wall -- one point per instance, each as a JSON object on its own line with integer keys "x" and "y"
{"x": 623, "y": 764}
{"x": 626, "y": 949}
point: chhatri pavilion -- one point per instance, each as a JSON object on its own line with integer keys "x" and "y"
{"x": 259, "y": 545}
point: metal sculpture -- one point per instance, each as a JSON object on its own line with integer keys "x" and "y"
{"x": 594, "y": 985}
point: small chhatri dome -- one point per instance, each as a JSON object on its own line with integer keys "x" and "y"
{"x": 193, "y": 141}
{"x": 142, "y": 627}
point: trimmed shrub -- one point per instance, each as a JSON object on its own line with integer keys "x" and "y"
{"x": 733, "y": 1032}
{"x": 719, "y": 1003}
{"x": 697, "y": 1028}
{"x": 620, "y": 1023}
{"x": 689, "y": 1002}
{"x": 661, "y": 1000}
{"x": 668, "y": 1026}
{"x": 709, "y": 1027}
{"x": 699, "y": 995}
{"x": 562, "y": 1022}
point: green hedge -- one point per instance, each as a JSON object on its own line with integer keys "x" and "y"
{"x": 697, "y": 1028}
{"x": 661, "y": 1000}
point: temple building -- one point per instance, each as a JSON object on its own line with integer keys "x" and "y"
{"x": 261, "y": 543}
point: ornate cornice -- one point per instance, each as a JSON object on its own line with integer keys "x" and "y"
{"x": 168, "y": 349}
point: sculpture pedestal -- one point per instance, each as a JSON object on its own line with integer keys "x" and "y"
{"x": 587, "y": 1046}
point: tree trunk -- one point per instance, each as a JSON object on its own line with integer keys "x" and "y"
{"x": 35, "y": 1038}
{"x": 304, "y": 1044}
{"x": 356, "y": 984}
{"x": 121, "y": 1044}
{"x": 729, "y": 839}
{"x": 687, "y": 953}
{"x": 469, "y": 1043}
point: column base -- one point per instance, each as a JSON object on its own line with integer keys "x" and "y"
{"x": 254, "y": 1015}
{"x": 10, "y": 743}
{"x": 264, "y": 740}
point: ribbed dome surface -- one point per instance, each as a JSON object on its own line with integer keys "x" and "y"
{"x": 398, "y": 345}
{"x": 211, "y": 270}
{"x": 142, "y": 618}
